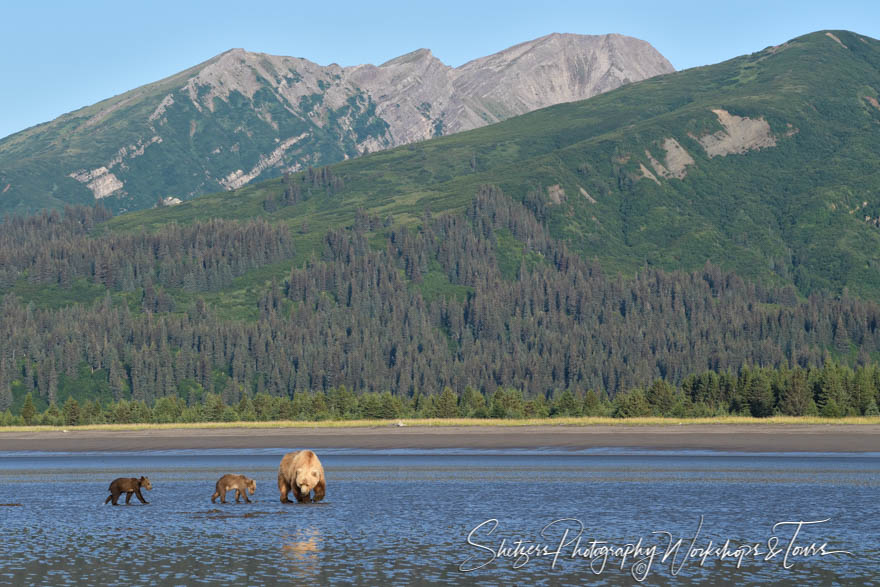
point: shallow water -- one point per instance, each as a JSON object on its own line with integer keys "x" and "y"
{"x": 403, "y": 517}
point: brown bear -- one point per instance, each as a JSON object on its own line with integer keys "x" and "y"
{"x": 241, "y": 484}
{"x": 129, "y": 486}
{"x": 301, "y": 472}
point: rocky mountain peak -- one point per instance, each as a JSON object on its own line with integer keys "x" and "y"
{"x": 412, "y": 56}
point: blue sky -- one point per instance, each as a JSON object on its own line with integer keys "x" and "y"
{"x": 57, "y": 56}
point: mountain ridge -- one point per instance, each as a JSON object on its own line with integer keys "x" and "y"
{"x": 241, "y": 115}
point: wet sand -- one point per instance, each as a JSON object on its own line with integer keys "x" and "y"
{"x": 723, "y": 437}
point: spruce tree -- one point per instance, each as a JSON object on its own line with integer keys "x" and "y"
{"x": 71, "y": 412}
{"x": 759, "y": 395}
{"x": 473, "y": 403}
{"x": 565, "y": 405}
{"x": 795, "y": 398}
{"x": 446, "y": 405}
{"x": 28, "y": 410}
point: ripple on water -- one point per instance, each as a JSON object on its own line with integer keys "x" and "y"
{"x": 393, "y": 517}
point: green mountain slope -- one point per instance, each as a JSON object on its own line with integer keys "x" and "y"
{"x": 766, "y": 164}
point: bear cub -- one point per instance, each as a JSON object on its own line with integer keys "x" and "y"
{"x": 241, "y": 484}
{"x": 129, "y": 486}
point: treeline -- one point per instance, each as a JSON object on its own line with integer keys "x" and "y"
{"x": 484, "y": 299}
{"x": 831, "y": 391}
{"x": 55, "y": 249}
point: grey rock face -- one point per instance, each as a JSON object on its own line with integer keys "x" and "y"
{"x": 419, "y": 95}
{"x": 550, "y": 70}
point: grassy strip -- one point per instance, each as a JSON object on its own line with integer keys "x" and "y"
{"x": 467, "y": 422}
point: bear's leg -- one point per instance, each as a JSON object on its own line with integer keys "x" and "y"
{"x": 283, "y": 488}
{"x": 298, "y": 495}
{"x": 215, "y": 496}
{"x": 109, "y": 497}
{"x": 237, "y": 495}
{"x": 320, "y": 490}
{"x": 222, "y": 495}
{"x": 139, "y": 496}
{"x": 244, "y": 493}
{"x": 128, "y": 495}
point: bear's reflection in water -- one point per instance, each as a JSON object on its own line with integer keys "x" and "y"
{"x": 302, "y": 550}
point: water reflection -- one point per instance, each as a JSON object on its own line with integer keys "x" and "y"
{"x": 302, "y": 550}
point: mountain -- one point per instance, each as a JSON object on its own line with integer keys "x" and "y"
{"x": 695, "y": 227}
{"x": 242, "y": 116}
{"x": 767, "y": 164}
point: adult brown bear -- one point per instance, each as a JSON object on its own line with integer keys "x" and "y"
{"x": 301, "y": 473}
{"x": 129, "y": 486}
{"x": 241, "y": 484}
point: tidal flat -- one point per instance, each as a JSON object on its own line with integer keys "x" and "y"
{"x": 723, "y": 434}
{"x": 445, "y": 516}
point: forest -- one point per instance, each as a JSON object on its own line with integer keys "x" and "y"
{"x": 481, "y": 313}
{"x": 832, "y": 391}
